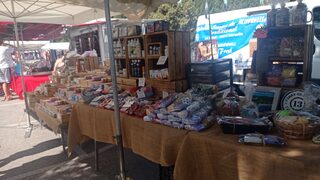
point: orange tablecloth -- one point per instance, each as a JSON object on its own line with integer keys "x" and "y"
{"x": 155, "y": 142}
{"x": 213, "y": 155}
{"x": 206, "y": 155}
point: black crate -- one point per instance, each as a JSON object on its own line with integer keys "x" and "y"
{"x": 161, "y": 26}
{"x": 217, "y": 73}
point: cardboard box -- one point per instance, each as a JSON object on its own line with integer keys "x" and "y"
{"x": 123, "y": 32}
{"x": 71, "y": 62}
{"x": 134, "y": 30}
{"x": 87, "y": 64}
{"x": 150, "y": 27}
{"x": 115, "y": 32}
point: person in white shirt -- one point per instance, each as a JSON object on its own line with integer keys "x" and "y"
{"x": 6, "y": 63}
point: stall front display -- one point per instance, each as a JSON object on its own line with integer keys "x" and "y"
{"x": 214, "y": 155}
{"x": 157, "y": 143}
{"x": 166, "y": 123}
{"x": 284, "y": 56}
{"x": 159, "y": 57}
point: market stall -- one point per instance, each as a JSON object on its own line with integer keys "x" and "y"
{"x": 214, "y": 155}
{"x": 194, "y": 120}
{"x": 160, "y": 144}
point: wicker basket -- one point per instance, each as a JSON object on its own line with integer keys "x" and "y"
{"x": 293, "y": 130}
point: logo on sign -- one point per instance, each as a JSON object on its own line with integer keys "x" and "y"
{"x": 293, "y": 101}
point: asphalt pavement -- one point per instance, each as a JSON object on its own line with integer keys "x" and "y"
{"x": 40, "y": 156}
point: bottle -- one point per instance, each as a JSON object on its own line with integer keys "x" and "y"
{"x": 155, "y": 50}
{"x": 150, "y": 50}
{"x": 129, "y": 48}
{"x": 298, "y": 15}
{"x": 271, "y": 16}
{"x": 138, "y": 49}
{"x": 143, "y": 71}
{"x": 123, "y": 50}
{"x": 119, "y": 48}
{"x": 131, "y": 67}
{"x": 135, "y": 68}
{"x": 138, "y": 69}
{"x": 134, "y": 52}
{"x": 282, "y": 15}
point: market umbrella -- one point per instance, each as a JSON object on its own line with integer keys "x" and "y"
{"x": 44, "y": 11}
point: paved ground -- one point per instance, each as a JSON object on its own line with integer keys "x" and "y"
{"x": 41, "y": 157}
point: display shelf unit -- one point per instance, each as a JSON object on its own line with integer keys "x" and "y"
{"x": 178, "y": 53}
{"x": 120, "y": 57}
{"x": 178, "y": 45}
{"x": 136, "y": 62}
{"x": 285, "y": 47}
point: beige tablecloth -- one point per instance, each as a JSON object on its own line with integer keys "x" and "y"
{"x": 213, "y": 155}
{"x": 155, "y": 142}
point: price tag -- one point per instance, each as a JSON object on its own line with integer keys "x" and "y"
{"x": 165, "y": 94}
{"x": 128, "y": 104}
{"x": 162, "y": 60}
{"x": 142, "y": 82}
{"x": 141, "y": 94}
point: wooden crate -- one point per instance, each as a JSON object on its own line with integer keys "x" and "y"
{"x": 168, "y": 86}
{"x": 128, "y": 82}
{"x": 178, "y": 43}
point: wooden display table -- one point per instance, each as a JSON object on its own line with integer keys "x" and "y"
{"x": 214, "y": 155}
{"x": 155, "y": 142}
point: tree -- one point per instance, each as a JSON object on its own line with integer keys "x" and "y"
{"x": 183, "y": 15}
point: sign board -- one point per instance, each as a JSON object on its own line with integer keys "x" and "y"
{"x": 293, "y": 100}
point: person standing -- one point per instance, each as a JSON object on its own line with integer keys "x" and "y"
{"x": 6, "y": 63}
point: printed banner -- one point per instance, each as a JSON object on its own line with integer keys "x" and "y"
{"x": 231, "y": 35}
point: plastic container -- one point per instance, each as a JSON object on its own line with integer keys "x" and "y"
{"x": 298, "y": 15}
{"x": 240, "y": 125}
{"x": 289, "y": 82}
{"x": 283, "y": 16}
{"x": 271, "y": 16}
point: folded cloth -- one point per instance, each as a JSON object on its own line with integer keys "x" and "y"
{"x": 172, "y": 118}
{"x": 177, "y": 125}
{"x": 167, "y": 101}
{"x": 162, "y": 116}
{"x": 199, "y": 115}
{"x": 182, "y": 114}
{"x": 165, "y": 122}
{"x": 194, "y": 127}
{"x": 194, "y": 106}
{"x": 149, "y": 117}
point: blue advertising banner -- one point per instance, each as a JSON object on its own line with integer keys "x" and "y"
{"x": 231, "y": 35}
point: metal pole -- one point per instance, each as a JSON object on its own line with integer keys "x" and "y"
{"x": 210, "y": 37}
{"x": 118, "y": 135}
{"x": 210, "y": 33}
{"x": 101, "y": 43}
{"x": 21, "y": 68}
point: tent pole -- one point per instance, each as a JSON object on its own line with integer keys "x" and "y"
{"x": 210, "y": 32}
{"x": 21, "y": 73}
{"x": 118, "y": 135}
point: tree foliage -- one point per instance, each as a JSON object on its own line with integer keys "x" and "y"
{"x": 183, "y": 15}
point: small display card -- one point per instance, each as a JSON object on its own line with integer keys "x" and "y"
{"x": 162, "y": 60}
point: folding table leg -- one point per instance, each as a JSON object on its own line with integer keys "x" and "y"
{"x": 96, "y": 155}
{"x": 62, "y": 141}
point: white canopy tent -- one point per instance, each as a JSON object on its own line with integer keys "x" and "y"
{"x": 44, "y": 11}
{"x": 56, "y": 46}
